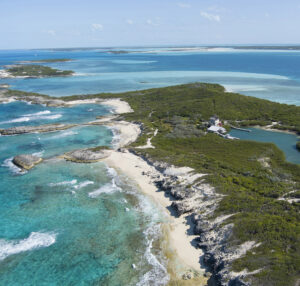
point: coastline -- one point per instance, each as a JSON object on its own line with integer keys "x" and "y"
{"x": 183, "y": 257}
{"x": 266, "y": 128}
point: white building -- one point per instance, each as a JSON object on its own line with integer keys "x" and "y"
{"x": 216, "y": 129}
{"x": 214, "y": 120}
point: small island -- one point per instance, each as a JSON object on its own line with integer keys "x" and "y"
{"x": 298, "y": 146}
{"x": 241, "y": 196}
{"x": 35, "y": 71}
{"x": 45, "y": 61}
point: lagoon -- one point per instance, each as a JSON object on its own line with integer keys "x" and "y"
{"x": 284, "y": 141}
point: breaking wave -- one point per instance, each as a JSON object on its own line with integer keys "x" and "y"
{"x": 34, "y": 241}
{"x": 8, "y": 163}
{"x": 42, "y": 115}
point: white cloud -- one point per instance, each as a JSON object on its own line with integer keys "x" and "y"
{"x": 184, "y": 5}
{"x": 129, "y": 22}
{"x": 211, "y": 17}
{"x": 97, "y": 27}
{"x": 151, "y": 23}
{"x": 51, "y": 32}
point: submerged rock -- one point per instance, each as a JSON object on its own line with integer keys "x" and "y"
{"x": 35, "y": 129}
{"x": 26, "y": 161}
{"x": 90, "y": 155}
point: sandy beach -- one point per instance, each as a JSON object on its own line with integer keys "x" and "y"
{"x": 184, "y": 255}
{"x": 135, "y": 168}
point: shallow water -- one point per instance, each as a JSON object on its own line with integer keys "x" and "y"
{"x": 63, "y": 222}
{"x": 268, "y": 75}
{"x": 54, "y": 232}
{"x": 284, "y": 141}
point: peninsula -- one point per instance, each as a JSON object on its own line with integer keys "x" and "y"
{"x": 33, "y": 71}
{"x": 46, "y": 61}
{"x": 239, "y": 198}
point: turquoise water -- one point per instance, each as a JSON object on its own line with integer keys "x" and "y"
{"x": 264, "y": 74}
{"x": 64, "y": 223}
{"x": 284, "y": 141}
{"x": 74, "y": 224}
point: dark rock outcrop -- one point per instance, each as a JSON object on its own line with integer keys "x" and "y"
{"x": 35, "y": 129}
{"x": 90, "y": 155}
{"x": 26, "y": 161}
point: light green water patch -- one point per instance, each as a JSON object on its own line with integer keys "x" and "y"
{"x": 54, "y": 232}
{"x": 285, "y": 141}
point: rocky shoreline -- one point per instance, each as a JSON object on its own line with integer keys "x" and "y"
{"x": 36, "y": 129}
{"x": 26, "y": 161}
{"x": 90, "y": 155}
{"x": 193, "y": 197}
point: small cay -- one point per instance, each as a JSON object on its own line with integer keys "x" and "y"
{"x": 35, "y": 129}
{"x": 26, "y": 161}
{"x": 90, "y": 155}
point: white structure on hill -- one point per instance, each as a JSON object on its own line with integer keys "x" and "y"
{"x": 216, "y": 129}
{"x": 214, "y": 120}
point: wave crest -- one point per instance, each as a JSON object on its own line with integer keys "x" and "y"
{"x": 34, "y": 241}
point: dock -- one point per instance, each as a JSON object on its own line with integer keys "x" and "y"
{"x": 241, "y": 129}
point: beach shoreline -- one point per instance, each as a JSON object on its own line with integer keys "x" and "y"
{"x": 177, "y": 242}
{"x": 185, "y": 257}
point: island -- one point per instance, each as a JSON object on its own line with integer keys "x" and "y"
{"x": 33, "y": 71}
{"x": 36, "y": 129}
{"x": 240, "y": 198}
{"x": 46, "y": 61}
{"x": 298, "y": 146}
{"x": 26, "y": 161}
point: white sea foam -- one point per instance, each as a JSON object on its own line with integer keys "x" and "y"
{"x": 158, "y": 275}
{"x": 39, "y": 154}
{"x": 111, "y": 172}
{"x": 109, "y": 188}
{"x": 34, "y": 241}
{"x": 35, "y": 116}
{"x": 64, "y": 134}
{"x": 116, "y": 136}
{"x": 8, "y": 163}
{"x": 83, "y": 184}
{"x": 21, "y": 119}
{"x": 39, "y": 113}
{"x": 106, "y": 189}
{"x": 51, "y": 117}
{"x": 64, "y": 183}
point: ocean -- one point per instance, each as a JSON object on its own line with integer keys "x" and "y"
{"x": 64, "y": 223}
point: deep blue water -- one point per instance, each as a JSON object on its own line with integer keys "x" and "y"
{"x": 64, "y": 223}
{"x": 265, "y": 74}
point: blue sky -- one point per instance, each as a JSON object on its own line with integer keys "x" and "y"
{"x": 96, "y": 23}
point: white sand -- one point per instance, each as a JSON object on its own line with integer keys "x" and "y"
{"x": 5, "y": 74}
{"x": 134, "y": 167}
{"x": 119, "y": 106}
{"x": 125, "y": 133}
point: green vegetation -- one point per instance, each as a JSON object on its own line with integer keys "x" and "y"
{"x": 204, "y": 100}
{"x": 47, "y": 61}
{"x": 99, "y": 148}
{"x": 36, "y": 71}
{"x": 298, "y": 145}
{"x": 251, "y": 175}
{"x": 19, "y": 93}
